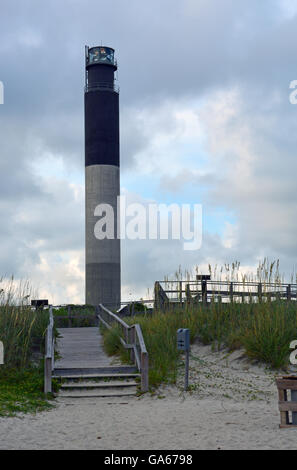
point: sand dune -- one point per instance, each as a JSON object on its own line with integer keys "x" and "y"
{"x": 232, "y": 405}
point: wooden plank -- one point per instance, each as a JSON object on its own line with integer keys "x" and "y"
{"x": 286, "y": 384}
{"x": 88, "y": 317}
{"x": 95, "y": 371}
{"x": 287, "y": 405}
{"x": 99, "y": 376}
{"x": 287, "y": 426}
{"x": 81, "y": 348}
{"x": 284, "y": 415}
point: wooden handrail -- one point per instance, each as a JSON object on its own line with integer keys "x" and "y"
{"x": 133, "y": 340}
{"x": 140, "y": 338}
{"x": 49, "y": 356}
{"x": 118, "y": 319}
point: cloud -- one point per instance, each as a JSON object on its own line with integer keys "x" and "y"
{"x": 205, "y": 118}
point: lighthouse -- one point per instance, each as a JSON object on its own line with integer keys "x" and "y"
{"x": 102, "y": 175}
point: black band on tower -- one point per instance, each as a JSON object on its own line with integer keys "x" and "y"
{"x": 102, "y": 128}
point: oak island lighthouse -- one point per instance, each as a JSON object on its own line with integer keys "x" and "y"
{"x": 102, "y": 175}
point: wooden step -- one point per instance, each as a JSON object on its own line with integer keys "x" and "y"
{"x": 95, "y": 371}
{"x": 95, "y": 393}
{"x": 88, "y": 385}
{"x": 97, "y": 376}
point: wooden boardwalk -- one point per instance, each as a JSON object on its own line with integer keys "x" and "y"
{"x": 82, "y": 367}
{"x": 81, "y": 348}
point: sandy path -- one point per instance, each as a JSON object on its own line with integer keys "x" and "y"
{"x": 232, "y": 405}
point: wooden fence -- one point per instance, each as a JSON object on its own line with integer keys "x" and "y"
{"x": 131, "y": 338}
{"x": 75, "y": 313}
{"x": 186, "y": 292}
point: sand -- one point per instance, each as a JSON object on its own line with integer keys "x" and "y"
{"x": 232, "y": 404}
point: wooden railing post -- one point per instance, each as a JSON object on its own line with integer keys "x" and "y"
{"x": 144, "y": 372}
{"x": 260, "y": 292}
{"x": 204, "y": 292}
{"x": 231, "y": 292}
{"x": 47, "y": 375}
{"x": 69, "y": 316}
{"x": 49, "y": 353}
{"x": 289, "y": 292}
{"x": 161, "y": 300}
{"x": 132, "y": 341}
{"x": 188, "y": 294}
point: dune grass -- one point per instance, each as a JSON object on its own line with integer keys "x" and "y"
{"x": 263, "y": 330}
{"x": 22, "y": 331}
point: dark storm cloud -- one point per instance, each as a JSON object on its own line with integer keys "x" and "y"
{"x": 169, "y": 52}
{"x": 165, "y": 50}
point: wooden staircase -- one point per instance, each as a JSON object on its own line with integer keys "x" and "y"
{"x": 83, "y": 367}
{"x": 101, "y": 382}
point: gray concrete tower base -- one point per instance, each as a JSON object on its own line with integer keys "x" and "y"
{"x": 103, "y": 257}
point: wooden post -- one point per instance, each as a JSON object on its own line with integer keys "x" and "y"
{"x": 161, "y": 299}
{"x": 47, "y": 375}
{"x": 69, "y": 316}
{"x": 53, "y": 356}
{"x": 180, "y": 292}
{"x": 144, "y": 371}
{"x": 157, "y": 296}
{"x": 132, "y": 341}
{"x": 260, "y": 292}
{"x": 289, "y": 292}
{"x": 204, "y": 292}
{"x": 48, "y": 357}
{"x": 188, "y": 294}
{"x": 97, "y": 321}
{"x": 231, "y": 292}
{"x": 284, "y": 415}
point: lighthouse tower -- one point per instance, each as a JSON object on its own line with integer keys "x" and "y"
{"x": 102, "y": 175}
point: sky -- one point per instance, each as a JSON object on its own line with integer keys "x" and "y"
{"x": 205, "y": 118}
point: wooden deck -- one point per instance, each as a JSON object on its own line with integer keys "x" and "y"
{"x": 81, "y": 348}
